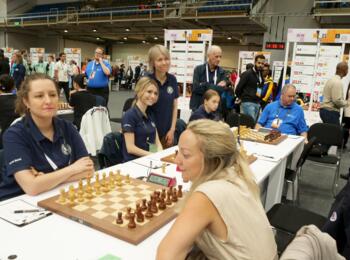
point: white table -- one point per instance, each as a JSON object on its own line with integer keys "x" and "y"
{"x": 57, "y": 237}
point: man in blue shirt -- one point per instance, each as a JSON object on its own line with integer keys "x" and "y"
{"x": 97, "y": 73}
{"x": 28, "y": 148}
{"x": 284, "y": 115}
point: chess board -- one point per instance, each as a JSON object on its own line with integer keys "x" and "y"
{"x": 259, "y": 137}
{"x": 169, "y": 159}
{"x": 100, "y": 212}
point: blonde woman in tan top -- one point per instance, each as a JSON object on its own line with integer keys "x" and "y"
{"x": 222, "y": 213}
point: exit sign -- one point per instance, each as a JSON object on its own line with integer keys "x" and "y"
{"x": 274, "y": 45}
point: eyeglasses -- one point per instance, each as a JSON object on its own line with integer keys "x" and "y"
{"x": 99, "y": 53}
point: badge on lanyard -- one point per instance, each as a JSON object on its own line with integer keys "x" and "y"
{"x": 276, "y": 123}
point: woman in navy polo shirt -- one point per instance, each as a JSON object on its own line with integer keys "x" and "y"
{"x": 41, "y": 151}
{"x": 140, "y": 135}
{"x": 165, "y": 110}
{"x": 209, "y": 107}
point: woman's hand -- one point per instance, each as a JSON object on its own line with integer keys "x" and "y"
{"x": 169, "y": 138}
{"x": 83, "y": 165}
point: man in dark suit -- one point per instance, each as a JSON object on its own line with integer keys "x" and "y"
{"x": 208, "y": 76}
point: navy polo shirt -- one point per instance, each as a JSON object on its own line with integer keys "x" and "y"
{"x": 25, "y": 147}
{"x": 95, "y": 75}
{"x": 293, "y": 120}
{"x": 200, "y": 113}
{"x": 163, "y": 109}
{"x": 144, "y": 129}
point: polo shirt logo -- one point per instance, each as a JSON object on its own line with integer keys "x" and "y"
{"x": 66, "y": 149}
{"x": 333, "y": 217}
{"x": 170, "y": 90}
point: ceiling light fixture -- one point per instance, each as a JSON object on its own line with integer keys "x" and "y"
{"x": 143, "y": 41}
{"x": 229, "y": 38}
{"x": 155, "y": 37}
{"x": 125, "y": 38}
{"x": 98, "y": 38}
{"x": 127, "y": 29}
{"x": 65, "y": 31}
{"x": 94, "y": 30}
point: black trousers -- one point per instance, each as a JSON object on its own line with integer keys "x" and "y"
{"x": 65, "y": 87}
{"x": 103, "y": 92}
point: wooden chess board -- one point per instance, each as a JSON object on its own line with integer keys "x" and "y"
{"x": 169, "y": 159}
{"x": 259, "y": 137}
{"x": 100, "y": 212}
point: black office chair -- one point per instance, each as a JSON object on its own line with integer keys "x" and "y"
{"x": 127, "y": 105}
{"x": 292, "y": 176}
{"x": 235, "y": 119}
{"x": 111, "y": 150}
{"x": 327, "y": 135}
{"x": 288, "y": 219}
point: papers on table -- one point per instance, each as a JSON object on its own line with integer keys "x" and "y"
{"x": 21, "y": 213}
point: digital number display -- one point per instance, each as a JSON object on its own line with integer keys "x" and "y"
{"x": 275, "y": 45}
{"x": 158, "y": 180}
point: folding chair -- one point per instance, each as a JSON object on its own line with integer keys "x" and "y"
{"x": 328, "y": 135}
{"x": 235, "y": 119}
{"x": 292, "y": 176}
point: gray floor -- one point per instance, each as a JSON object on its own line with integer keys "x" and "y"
{"x": 315, "y": 185}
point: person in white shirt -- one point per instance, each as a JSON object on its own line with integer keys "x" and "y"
{"x": 61, "y": 74}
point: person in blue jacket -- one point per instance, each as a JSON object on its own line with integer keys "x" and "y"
{"x": 41, "y": 150}
{"x": 18, "y": 71}
{"x": 208, "y": 109}
{"x": 140, "y": 135}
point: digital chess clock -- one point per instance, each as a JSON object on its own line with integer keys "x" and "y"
{"x": 161, "y": 180}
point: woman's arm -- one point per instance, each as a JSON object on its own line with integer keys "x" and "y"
{"x": 170, "y": 134}
{"x": 131, "y": 147}
{"x": 34, "y": 184}
{"x": 196, "y": 216}
{"x": 158, "y": 143}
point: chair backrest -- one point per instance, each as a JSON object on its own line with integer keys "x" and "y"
{"x": 306, "y": 151}
{"x": 127, "y": 104}
{"x": 328, "y": 134}
{"x": 311, "y": 244}
{"x": 94, "y": 126}
{"x": 235, "y": 119}
{"x": 1, "y": 163}
{"x": 111, "y": 150}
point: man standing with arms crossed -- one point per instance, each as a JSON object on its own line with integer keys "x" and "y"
{"x": 97, "y": 72}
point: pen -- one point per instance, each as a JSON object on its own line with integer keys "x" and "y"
{"x": 28, "y": 210}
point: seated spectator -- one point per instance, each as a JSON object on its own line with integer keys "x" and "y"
{"x": 7, "y": 101}
{"x": 208, "y": 109}
{"x": 222, "y": 213}
{"x": 138, "y": 123}
{"x": 80, "y": 99}
{"x": 41, "y": 150}
{"x": 284, "y": 114}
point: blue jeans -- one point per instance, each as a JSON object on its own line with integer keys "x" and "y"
{"x": 250, "y": 109}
